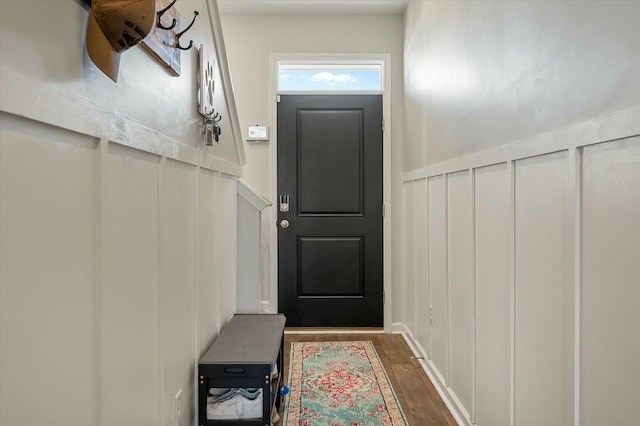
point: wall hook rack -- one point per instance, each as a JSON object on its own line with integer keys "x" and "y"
{"x": 209, "y": 114}
{"x": 178, "y": 35}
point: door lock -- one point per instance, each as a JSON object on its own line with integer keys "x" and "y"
{"x": 284, "y": 203}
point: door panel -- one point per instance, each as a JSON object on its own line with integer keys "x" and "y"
{"x": 330, "y": 161}
{"x": 330, "y": 266}
{"x": 330, "y": 168}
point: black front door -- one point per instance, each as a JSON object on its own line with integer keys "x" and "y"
{"x": 330, "y": 185}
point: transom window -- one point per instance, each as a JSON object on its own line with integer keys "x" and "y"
{"x": 316, "y": 76}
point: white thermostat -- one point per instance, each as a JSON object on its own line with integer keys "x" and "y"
{"x": 258, "y": 133}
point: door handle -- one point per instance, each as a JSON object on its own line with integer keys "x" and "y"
{"x": 284, "y": 224}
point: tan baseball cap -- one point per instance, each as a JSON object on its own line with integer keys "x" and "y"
{"x": 113, "y": 27}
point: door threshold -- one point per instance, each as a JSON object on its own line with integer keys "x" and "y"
{"x": 334, "y": 330}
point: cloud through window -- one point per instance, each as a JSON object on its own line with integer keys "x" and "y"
{"x": 329, "y": 77}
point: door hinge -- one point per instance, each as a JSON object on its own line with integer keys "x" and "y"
{"x": 383, "y": 124}
{"x": 384, "y": 297}
{"x": 277, "y": 98}
{"x": 384, "y": 210}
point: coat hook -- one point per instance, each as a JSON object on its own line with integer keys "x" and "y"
{"x": 212, "y": 115}
{"x": 178, "y": 35}
{"x": 162, "y": 12}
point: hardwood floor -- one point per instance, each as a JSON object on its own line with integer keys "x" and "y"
{"x": 419, "y": 400}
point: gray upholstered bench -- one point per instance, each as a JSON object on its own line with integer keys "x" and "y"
{"x": 246, "y": 359}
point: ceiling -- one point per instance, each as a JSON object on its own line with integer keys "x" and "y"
{"x": 311, "y": 7}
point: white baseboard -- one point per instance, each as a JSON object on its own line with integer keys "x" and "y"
{"x": 398, "y": 327}
{"x": 459, "y": 413}
{"x": 265, "y": 307}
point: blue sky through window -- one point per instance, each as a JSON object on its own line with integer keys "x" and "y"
{"x": 336, "y": 78}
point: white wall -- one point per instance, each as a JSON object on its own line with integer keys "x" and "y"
{"x": 485, "y": 73}
{"x": 530, "y": 146}
{"x": 250, "y": 40}
{"x": 249, "y": 265}
{"x": 117, "y": 227}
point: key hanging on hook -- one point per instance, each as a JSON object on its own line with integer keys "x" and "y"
{"x": 217, "y": 130}
{"x": 209, "y": 133}
{"x": 212, "y": 130}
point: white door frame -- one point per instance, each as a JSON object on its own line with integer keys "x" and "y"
{"x": 271, "y": 304}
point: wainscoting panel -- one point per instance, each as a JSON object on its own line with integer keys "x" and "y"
{"x": 177, "y": 284}
{"x": 227, "y": 205}
{"x": 48, "y": 263}
{"x": 461, "y": 285}
{"x": 423, "y": 324}
{"x": 208, "y": 281}
{"x": 129, "y": 293}
{"x": 438, "y": 278}
{"x": 610, "y": 326}
{"x": 532, "y": 266}
{"x": 410, "y": 256}
{"x": 111, "y": 261}
{"x": 494, "y": 226}
{"x": 543, "y": 292}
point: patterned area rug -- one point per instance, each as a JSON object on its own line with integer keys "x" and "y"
{"x": 339, "y": 384}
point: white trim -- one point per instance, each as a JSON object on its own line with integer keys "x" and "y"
{"x": 225, "y": 74}
{"x": 264, "y": 307}
{"x": 397, "y": 327}
{"x": 251, "y": 195}
{"x": 474, "y": 315}
{"x": 161, "y": 283}
{"x": 511, "y": 169}
{"x": 428, "y": 273}
{"x": 447, "y": 251}
{"x": 401, "y": 291}
{"x": 330, "y": 92}
{"x": 454, "y": 405}
{"x": 85, "y": 117}
{"x": 575, "y": 158}
{"x": 621, "y": 124}
{"x": 273, "y": 185}
{"x": 195, "y": 296}
{"x": 385, "y": 60}
{"x": 415, "y": 262}
{"x": 217, "y": 250}
{"x": 386, "y": 184}
{"x": 100, "y": 233}
{"x": 329, "y": 65}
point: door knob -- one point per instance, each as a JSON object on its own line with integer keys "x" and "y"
{"x": 284, "y": 224}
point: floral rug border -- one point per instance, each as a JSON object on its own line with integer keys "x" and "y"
{"x": 294, "y": 399}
